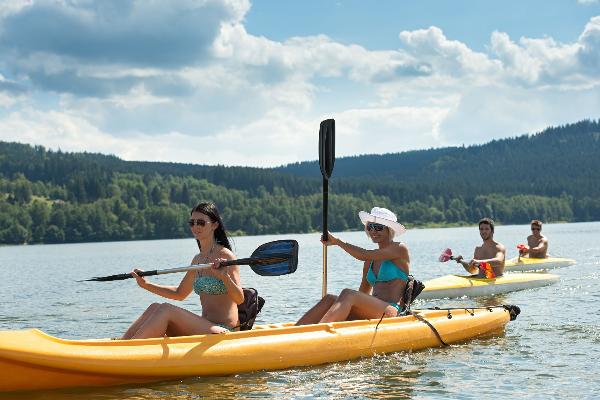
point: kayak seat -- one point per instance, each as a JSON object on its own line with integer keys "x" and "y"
{"x": 411, "y": 291}
{"x": 249, "y": 309}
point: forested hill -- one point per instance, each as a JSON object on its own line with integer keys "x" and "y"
{"x": 559, "y": 159}
{"x": 53, "y": 196}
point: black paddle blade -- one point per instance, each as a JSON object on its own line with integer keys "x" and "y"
{"x": 275, "y": 258}
{"x": 327, "y": 147}
{"x": 117, "y": 277}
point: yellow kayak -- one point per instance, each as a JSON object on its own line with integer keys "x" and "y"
{"x": 450, "y": 286}
{"x": 32, "y": 360}
{"x": 532, "y": 264}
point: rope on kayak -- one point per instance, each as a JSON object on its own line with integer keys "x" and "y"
{"x": 430, "y": 325}
{"x": 380, "y": 319}
{"x": 513, "y": 310}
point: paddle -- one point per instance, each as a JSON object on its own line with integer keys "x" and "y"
{"x": 521, "y": 248}
{"x": 484, "y": 267}
{"x": 270, "y": 259}
{"x": 326, "y": 161}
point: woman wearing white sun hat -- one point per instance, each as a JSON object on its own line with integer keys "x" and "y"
{"x": 384, "y": 278}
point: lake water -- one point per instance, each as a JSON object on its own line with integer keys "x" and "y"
{"x": 550, "y": 351}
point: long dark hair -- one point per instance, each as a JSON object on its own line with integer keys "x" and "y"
{"x": 211, "y": 211}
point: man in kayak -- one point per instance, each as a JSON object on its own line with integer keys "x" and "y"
{"x": 488, "y": 259}
{"x": 537, "y": 244}
{"x": 384, "y": 277}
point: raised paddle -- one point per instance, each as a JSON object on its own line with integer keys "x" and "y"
{"x": 270, "y": 259}
{"x": 326, "y": 161}
{"x": 485, "y": 267}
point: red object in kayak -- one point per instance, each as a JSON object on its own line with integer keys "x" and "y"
{"x": 487, "y": 270}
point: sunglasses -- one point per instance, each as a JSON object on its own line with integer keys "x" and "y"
{"x": 199, "y": 222}
{"x": 371, "y": 226}
{"x": 536, "y": 229}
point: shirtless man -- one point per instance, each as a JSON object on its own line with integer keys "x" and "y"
{"x": 490, "y": 252}
{"x": 537, "y": 244}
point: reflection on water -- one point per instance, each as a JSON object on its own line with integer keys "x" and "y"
{"x": 491, "y": 301}
{"x": 553, "y": 343}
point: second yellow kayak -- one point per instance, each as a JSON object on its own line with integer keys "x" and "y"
{"x": 450, "y": 286}
{"x": 532, "y": 264}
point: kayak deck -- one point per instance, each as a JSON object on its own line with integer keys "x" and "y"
{"x": 532, "y": 264}
{"x": 31, "y": 359}
{"x": 451, "y": 286}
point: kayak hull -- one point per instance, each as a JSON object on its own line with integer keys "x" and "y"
{"x": 33, "y": 360}
{"x": 532, "y": 264}
{"x": 451, "y": 286}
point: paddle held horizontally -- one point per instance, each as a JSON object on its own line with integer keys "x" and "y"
{"x": 275, "y": 258}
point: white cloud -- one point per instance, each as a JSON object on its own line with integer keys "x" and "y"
{"x": 385, "y": 130}
{"x": 448, "y": 57}
{"x": 227, "y": 96}
{"x": 272, "y": 140}
{"x": 8, "y": 7}
{"x": 56, "y": 130}
{"x": 315, "y": 56}
{"x": 7, "y": 100}
{"x": 589, "y": 52}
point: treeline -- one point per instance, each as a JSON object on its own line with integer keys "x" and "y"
{"x": 160, "y": 208}
{"x": 56, "y": 197}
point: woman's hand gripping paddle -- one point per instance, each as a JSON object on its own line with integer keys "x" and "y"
{"x": 270, "y": 259}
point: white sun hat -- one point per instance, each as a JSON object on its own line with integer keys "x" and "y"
{"x": 382, "y": 216}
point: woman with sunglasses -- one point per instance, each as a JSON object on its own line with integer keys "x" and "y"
{"x": 384, "y": 277}
{"x": 219, "y": 289}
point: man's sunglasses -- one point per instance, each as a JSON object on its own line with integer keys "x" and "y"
{"x": 535, "y": 228}
{"x": 371, "y": 226}
{"x": 199, "y": 222}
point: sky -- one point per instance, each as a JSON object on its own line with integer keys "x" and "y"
{"x": 235, "y": 82}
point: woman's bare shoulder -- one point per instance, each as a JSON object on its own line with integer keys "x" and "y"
{"x": 225, "y": 253}
{"x": 400, "y": 247}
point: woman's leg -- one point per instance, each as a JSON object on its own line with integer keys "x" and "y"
{"x": 170, "y": 318}
{"x": 360, "y": 304}
{"x": 136, "y": 325}
{"x": 313, "y": 315}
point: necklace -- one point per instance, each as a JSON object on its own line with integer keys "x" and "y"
{"x": 206, "y": 258}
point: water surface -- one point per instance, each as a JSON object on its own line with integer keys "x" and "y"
{"x": 551, "y": 350}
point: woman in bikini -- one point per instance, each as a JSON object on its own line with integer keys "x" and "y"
{"x": 219, "y": 289}
{"x": 384, "y": 278}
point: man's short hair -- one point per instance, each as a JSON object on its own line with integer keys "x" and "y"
{"x": 536, "y": 222}
{"x": 487, "y": 221}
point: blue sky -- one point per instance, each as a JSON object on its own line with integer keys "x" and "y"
{"x": 239, "y": 83}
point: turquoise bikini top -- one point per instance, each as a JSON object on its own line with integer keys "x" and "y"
{"x": 388, "y": 271}
{"x": 209, "y": 285}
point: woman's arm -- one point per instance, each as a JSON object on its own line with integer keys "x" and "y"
{"x": 170, "y": 292}
{"x": 230, "y": 276}
{"x": 365, "y": 286}
{"x": 388, "y": 253}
